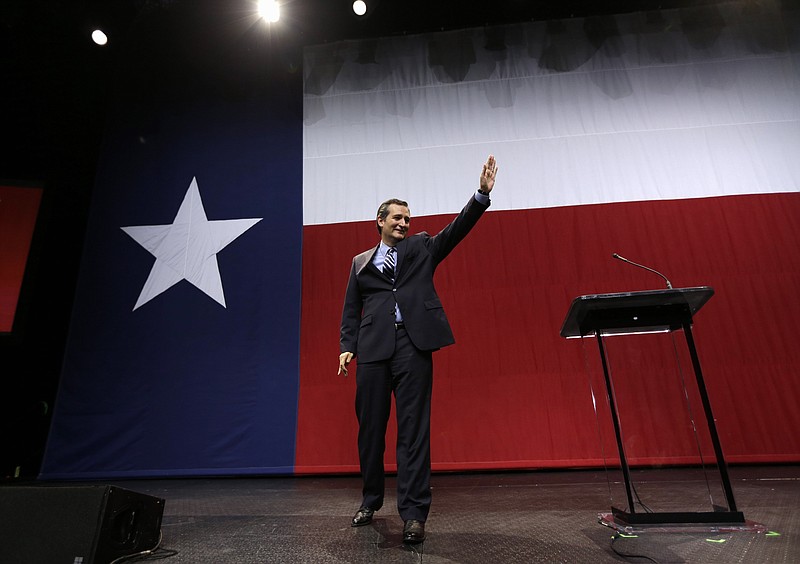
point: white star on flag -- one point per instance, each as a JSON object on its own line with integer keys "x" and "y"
{"x": 187, "y": 249}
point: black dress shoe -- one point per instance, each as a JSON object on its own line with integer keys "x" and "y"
{"x": 414, "y": 532}
{"x": 362, "y": 517}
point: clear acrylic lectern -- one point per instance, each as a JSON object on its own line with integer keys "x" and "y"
{"x": 637, "y": 313}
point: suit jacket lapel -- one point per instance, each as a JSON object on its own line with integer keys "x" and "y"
{"x": 401, "y": 253}
{"x": 364, "y": 260}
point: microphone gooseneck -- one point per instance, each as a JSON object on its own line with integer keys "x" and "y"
{"x": 623, "y": 259}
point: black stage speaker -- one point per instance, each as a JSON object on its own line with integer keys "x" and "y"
{"x": 76, "y": 524}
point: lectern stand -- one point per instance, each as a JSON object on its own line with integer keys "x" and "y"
{"x": 603, "y": 315}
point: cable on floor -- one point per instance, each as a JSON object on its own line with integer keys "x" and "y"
{"x": 623, "y": 555}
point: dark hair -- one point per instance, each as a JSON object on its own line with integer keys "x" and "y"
{"x": 383, "y": 209}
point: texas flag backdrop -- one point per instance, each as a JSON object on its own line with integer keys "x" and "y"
{"x": 669, "y": 137}
{"x": 205, "y": 331}
{"x": 182, "y": 357}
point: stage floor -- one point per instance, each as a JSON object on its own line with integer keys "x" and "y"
{"x": 523, "y": 517}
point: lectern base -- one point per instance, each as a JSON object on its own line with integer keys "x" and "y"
{"x": 692, "y": 522}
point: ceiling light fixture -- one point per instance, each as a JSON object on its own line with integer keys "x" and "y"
{"x": 99, "y": 37}
{"x": 269, "y": 10}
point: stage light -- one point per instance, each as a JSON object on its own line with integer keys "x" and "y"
{"x": 99, "y": 37}
{"x": 269, "y": 10}
{"x": 360, "y": 7}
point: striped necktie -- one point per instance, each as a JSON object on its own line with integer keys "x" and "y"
{"x": 389, "y": 262}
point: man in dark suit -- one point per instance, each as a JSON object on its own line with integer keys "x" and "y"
{"x": 392, "y": 321}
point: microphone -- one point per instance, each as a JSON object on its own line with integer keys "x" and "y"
{"x": 623, "y": 259}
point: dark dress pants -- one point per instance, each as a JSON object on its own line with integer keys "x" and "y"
{"x": 409, "y": 375}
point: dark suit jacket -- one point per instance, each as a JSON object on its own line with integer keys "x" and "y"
{"x": 368, "y": 316}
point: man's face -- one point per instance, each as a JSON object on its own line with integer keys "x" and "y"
{"x": 395, "y": 226}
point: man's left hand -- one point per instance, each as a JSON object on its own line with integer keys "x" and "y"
{"x": 488, "y": 174}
